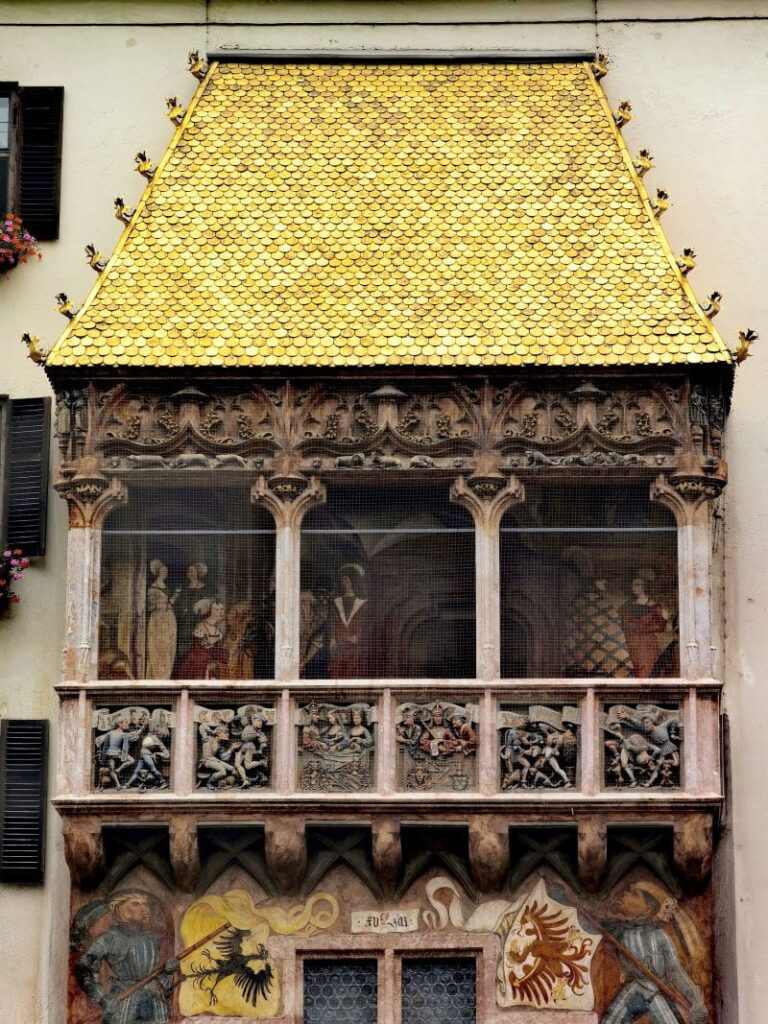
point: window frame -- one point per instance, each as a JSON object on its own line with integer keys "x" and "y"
{"x": 10, "y": 154}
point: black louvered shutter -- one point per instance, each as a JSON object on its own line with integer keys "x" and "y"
{"x": 23, "y": 789}
{"x": 41, "y": 111}
{"x": 27, "y": 474}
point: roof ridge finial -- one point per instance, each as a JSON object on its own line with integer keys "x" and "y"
{"x": 746, "y": 338}
{"x": 642, "y": 163}
{"x": 197, "y": 66}
{"x": 686, "y": 261}
{"x": 661, "y": 203}
{"x": 175, "y": 112}
{"x": 95, "y": 259}
{"x": 144, "y": 165}
{"x": 600, "y": 66}
{"x": 122, "y": 212}
{"x": 64, "y": 306}
{"x": 712, "y": 307}
{"x": 34, "y": 352}
{"x": 623, "y": 114}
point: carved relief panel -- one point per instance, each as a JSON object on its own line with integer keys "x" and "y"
{"x": 539, "y": 746}
{"x": 132, "y": 748}
{"x": 336, "y": 747}
{"x": 234, "y": 747}
{"x": 437, "y": 746}
{"x": 642, "y": 745}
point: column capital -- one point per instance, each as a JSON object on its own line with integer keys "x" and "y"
{"x": 687, "y": 490}
{"x": 288, "y": 496}
{"x": 89, "y": 493}
{"x": 487, "y": 494}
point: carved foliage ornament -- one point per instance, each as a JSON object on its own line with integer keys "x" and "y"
{"x": 428, "y": 424}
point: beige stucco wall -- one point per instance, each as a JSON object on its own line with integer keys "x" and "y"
{"x": 697, "y": 80}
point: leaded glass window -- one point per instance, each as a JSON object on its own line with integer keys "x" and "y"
{"x": 340, "y": 991}
{"x": 388, "y": 585}
{"x": 187, "y": 587}
{"x": 439, "y": 990}
{"x": 588, "y": 584}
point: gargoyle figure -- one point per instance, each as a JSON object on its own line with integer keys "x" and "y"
{"x": 712, "y": 307}
{"x": 623, "y": 114}
{"x": 254, "y": 984}
{"x": 661, "y": 203}
{"x": 175, "y": 111}
{"x": 642, "y": 163}
{"x": 745, "y": 340}
{"x": 144, "y": 165}
{"x": 196, "y": 66}
{"x": 64, "y": 306}
{"x": 121, "y": 210}
{"x": 686, "y": 261}
{"x": 95, "y": 260}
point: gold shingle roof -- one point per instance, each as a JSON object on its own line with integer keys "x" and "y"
{"x": 393, "y": 214}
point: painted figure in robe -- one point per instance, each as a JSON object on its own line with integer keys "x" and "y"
{"x": 161, "y": 623}
{"x": 643, "y": 619}
{"x": 207, "y": 657}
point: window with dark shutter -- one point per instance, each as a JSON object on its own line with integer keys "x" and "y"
{"x": 26, "y": 474}
{"x": 41, "y": 112}
{"x": 23, "y": 787}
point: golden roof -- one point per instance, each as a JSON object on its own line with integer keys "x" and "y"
{"x": 393, "y": 214}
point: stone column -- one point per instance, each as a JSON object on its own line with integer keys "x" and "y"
{"x": 487, "y": 494}
{"x": 288, "y": 496}
{"x": 91, "y": 496}
{"x": 688, "y": 494}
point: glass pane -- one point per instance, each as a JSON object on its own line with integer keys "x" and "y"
{"x": 388, "y": 586}
{"x": 5, "y": 113}
{"x": 187, "y": 587}
{"x": 340, "y": 991}
{"x": 439, "y": 991}
{"x": 589, "y": 585}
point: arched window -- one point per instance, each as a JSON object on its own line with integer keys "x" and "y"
{"x": 588, "y": 584}
{"x": 187, "y": 587}
{"x": 388, "y": 585}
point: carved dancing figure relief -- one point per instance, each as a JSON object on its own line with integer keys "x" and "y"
{"x": 643, "y": 746}
{"x": 539, "y": 747}
{"x": 132, "y": 748}
{"x": 234, "y": 746}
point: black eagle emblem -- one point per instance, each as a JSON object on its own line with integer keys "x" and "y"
{"x": 231, "y": 962}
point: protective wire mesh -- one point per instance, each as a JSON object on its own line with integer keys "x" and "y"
{"x": 187, "y": 587}
{"x": 439, "y": 991}
{"x": 588, "y": 584}
{"x": 340, "y": 991}
{"x": 388, "y": 585}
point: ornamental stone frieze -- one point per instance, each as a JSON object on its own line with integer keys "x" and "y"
{"x": 412, "y": 425}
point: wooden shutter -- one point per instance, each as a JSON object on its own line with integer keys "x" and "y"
{"x": 41, "y": 112}
{"x": 23, "y": 790}
{"x": 26, "y": 476}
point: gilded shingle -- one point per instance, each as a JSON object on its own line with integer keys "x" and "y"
{"x": 362, "y": 215}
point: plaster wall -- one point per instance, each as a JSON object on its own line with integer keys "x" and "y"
{"x": 695, "y": 71}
